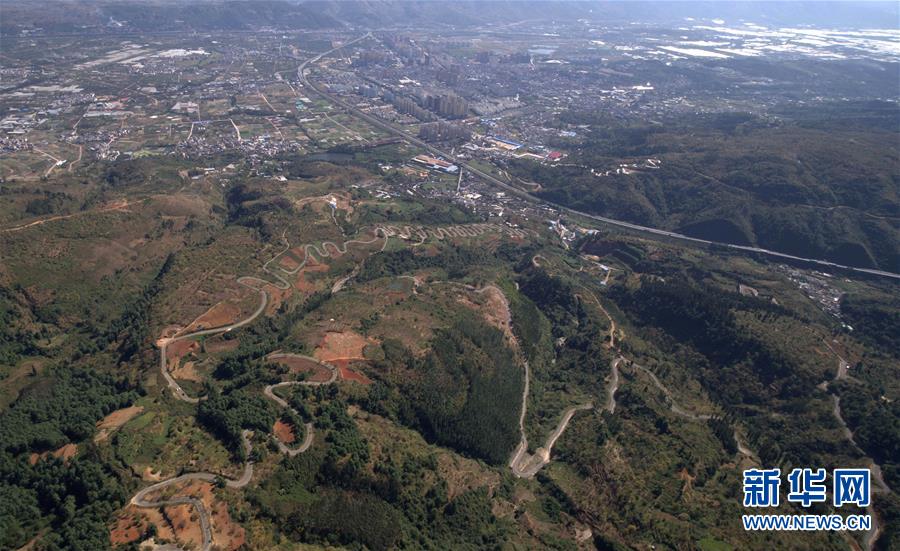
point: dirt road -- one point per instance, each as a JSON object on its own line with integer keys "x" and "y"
{"x": 115, "y": 206}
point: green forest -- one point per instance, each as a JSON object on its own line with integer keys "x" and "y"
{"x": 470, "y": 391}
{"x": 329, "y": 495}
{"x": 74, "y": 498}
{"x": 804, "y": 184}
{"x": 465, "y": 393}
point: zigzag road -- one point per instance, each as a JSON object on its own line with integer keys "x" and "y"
{"x": 326, "y": 249}
{"x": 525, "y": 465}
{"x": 140, "y": 498}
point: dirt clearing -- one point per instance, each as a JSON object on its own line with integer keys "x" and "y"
{"x": 339, "y": 200}
{"x": 187, "y": 372}
{"x": 115, "y": 420}
{"x": 348, "y": 374}
{"x": 177, "y": 350}
{"x": 343, "y": 345}
{"x": 65, "y": 453}
{"x": 221, "y": 314}
{"x": 284, "y": 432}
{"x": 219, "y": 345}
{"x": 317, "y": 372}
{"x": 180, "y": 523}
{"x": 497, "y": 311}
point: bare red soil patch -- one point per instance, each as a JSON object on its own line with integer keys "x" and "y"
{"x": 65, "y": 453}
{"x": 222, "y": 313}
{"x": 132, "y": 523}
{"x": 284, "y": 432}
{"x": 127, "y": 528}
{"x": 227, "y": 534}
{"x": 318, "y": 373}
{"x": 313, "y": 264}
{"x": 344, "y": 345}
{"x": 179, "y": 349}
{"x": 115, "y": 420}
{"x": 180, "y": 523}
{"x": 298, "y": 252}
{"x": 185, "y": 524}
{"x": 348, "y": 374}
{"x": 288, "y": 262}
{"x": 304, "y": 285}
{"x": 276, "y": 297}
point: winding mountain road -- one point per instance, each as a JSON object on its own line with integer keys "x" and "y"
{"x": 269, "y": 392}
{"x": 140, "y": 498}
{"x": 522, "y": 448}
{"x": 870, "y": 538}
{"x": 525, "y": 465}
{"x": 673, "y": 405}
{"x": 164, "y": 343}
{"x": 325, "y": 249}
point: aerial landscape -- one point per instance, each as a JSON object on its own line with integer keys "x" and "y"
{"x": 411, "y": 274}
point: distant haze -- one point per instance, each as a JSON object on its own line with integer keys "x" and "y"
{"x": 77, "y": 17}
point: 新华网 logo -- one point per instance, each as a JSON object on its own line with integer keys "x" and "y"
{"x": 805, "y": 488}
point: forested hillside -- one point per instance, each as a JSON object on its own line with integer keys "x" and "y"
{"x": 819, "y": 182}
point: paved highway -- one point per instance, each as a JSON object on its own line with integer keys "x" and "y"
{"x": 379, "y": 123}
{"x": 269, "y": 392}
{"x": 140, "y": 498}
